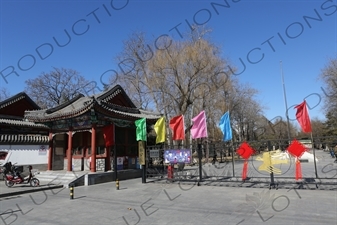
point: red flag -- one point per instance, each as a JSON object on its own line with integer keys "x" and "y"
{"x": 108, "y": 134}
{"x": 302, "y": 117}
{"x": 177, "y": 126}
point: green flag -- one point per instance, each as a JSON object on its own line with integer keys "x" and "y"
{"x": 141, "y": 129}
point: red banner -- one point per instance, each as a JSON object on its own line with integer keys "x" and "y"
{"x": 108, "y": 134}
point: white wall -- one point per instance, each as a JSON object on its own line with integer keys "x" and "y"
{"x": 26, "y": 154}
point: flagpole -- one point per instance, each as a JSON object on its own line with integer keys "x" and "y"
{"x": 207, "y": 140}
{"x": 200, "y": 161}
{"x": 191, "y": 145}
{"x": 285, "y": 102}
{"x": 231, "y": 141}
{"x": 314, "y": 152}
{"x": 192, "y": 111}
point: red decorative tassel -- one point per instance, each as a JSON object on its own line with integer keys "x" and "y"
{"x": 244, "y": 170}
{"x": 298, "y": 170}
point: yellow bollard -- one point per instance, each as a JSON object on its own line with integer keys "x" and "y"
{"x": 117, "y": 184}
{"x": 71, "y": 188}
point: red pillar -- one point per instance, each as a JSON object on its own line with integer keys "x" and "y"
{"x": 70, "y": 147}
{"x": 93, "y": 148}
{"x": 50, "y": 152}
{"x": 109, "y": 149}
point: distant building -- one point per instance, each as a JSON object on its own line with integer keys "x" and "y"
{"x": 306, "y": 142}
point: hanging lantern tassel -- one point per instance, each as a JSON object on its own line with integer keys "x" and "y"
{"x": 298, "y": 170}
{"x": 244, "y": 170}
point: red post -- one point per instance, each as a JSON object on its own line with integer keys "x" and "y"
{"x": 70, "y": 147}
{"x": 170, "y": 171}
{"x": 50, "y": 152}
{"x": 93, "y": 148}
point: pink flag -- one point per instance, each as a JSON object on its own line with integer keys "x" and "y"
{"x": 199, "y": 128}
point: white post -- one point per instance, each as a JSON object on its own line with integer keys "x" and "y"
{"x": 86, "y": 180}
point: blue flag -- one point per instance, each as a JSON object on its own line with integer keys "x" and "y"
{"x": 225, "y": 127}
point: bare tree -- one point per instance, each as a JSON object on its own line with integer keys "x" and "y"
{"x": 57, "y": 86}
{"x": 183, "y": 77}
{"x": 318, "y": 130}
{"x": 133, "y": 65}
{"x": 329, "y": 76}
{"x": 276, "y": 129}
{"x": 245, "y": 111}
{"x": 4, "y": 93}
{"x": 182, "y": 70}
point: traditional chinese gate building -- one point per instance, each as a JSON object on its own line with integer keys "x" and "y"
{"x": 76, "y": 131}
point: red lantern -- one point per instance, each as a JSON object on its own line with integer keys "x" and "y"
{"x": 296, "y": 149}
{"x": 245, "y": 151}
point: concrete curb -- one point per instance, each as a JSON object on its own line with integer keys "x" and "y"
{"x": 31, "y": 190}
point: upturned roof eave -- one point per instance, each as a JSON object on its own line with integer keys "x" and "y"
{"x": 106, "y": 96}
{"x": 59, "y": 116}
{"x": 99, "y": 102}
{"x": 22, "y": 123}
{"x": 18, "y": 97}
{"x": 132, "y": 116}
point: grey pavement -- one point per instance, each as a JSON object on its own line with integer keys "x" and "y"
{"x": 18, "y": 189}
{"x": 221, "y": 175}
{"x": 171, "y": 203}
{"x": 216, "y": 200}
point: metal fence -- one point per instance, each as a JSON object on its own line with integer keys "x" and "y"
{"x": 269, "y": 163}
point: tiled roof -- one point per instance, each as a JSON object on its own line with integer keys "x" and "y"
{"x": 17, "y": 138}
{"x": 78, "y": 107}
{"x": 59, "y": 107}
{"x": 129, "y": 111}
{"x": 21, "y": 123}
{"x": 16, "y": 98}
{"x": 82, "y": 104}
{"x": 111, "y": 93}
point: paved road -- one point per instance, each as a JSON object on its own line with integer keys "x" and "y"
{"x": 159, "y": 202}
{"x": 18, "y": 189}
{"x": 167, "y": 203}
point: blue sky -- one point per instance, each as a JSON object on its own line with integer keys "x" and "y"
{"x": 261, "y": 33}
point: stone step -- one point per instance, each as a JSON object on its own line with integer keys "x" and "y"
{"x": 58, "y": 177}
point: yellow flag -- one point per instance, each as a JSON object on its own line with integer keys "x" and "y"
{"x": 160, "y": 129}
